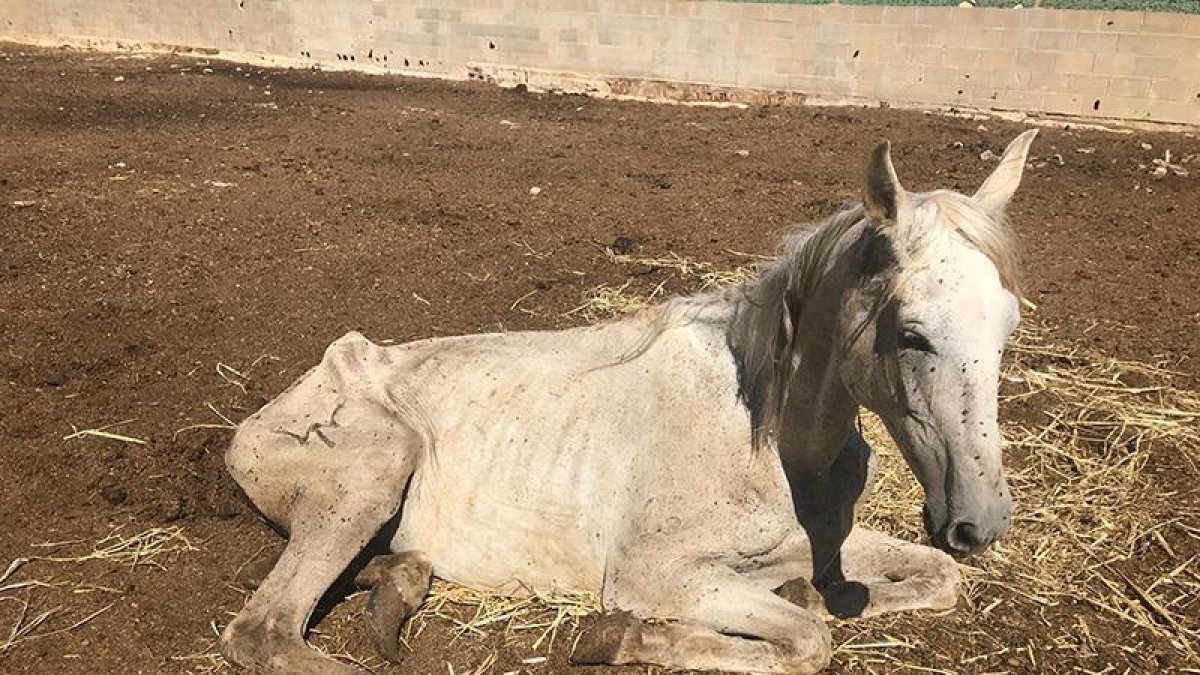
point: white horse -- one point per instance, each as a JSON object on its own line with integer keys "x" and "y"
{"x": 696, "y": 464}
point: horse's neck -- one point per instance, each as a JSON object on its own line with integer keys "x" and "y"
{"x": 819, "y": 411}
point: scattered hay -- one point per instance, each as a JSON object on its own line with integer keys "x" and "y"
{"x": 606, "y": 301}
{"x": 102, "y": 432}
{"x": 708, "y": 274}
{"x": 141, "y": 549}
{"x": 138, "y": 550}
{"x": 25, "y": 628}
{"x": 474, "y": 612}
{"x": 225, "y": 424}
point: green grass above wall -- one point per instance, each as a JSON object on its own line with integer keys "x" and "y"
{"x": 1183, "y": 6}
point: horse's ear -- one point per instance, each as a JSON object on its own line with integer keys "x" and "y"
{"x": 883, "y": 197}
{"x": 999, "y": 187}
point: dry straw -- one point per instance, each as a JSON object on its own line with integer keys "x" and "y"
{"x": 137, "y": 550}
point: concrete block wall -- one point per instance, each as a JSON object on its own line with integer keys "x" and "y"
{"x": 1123, "y": 65}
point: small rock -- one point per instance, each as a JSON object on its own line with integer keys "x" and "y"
{"x": 742, "y": 153}
{"x": 987, "y": 156}
{"x": 24, "y": 204}
{"x": 980, "y": 127}
{"x": 119, "y": 78}
{"x": 1085, "y": 151}
{"x": 1057, "y": 159}
{"x": 535, "y": 191}
{"x": 1159, "y": 171}
{"x": 207, "y": 71}
{"x": 55, "y": 378}
{"x": 1147, "y": 146}
{"x": 171, "y": 510}
{"x": 622, "y": 245}
{"x": 114, "y": 495}
{"x": 957, "y": 145}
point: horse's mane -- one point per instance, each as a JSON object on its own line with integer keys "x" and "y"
{"x": 764, "y": 329}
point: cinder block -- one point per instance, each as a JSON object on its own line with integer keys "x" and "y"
{"x": 1157, "y": 67}
{"x": 960, "y": 57}
{"x": 798, "y": 14}
{"x": 1191, "y": 26}
{"x": 930, "y": 55}
{"x": 1129, "y": 87}
{"x": 1076, "y": 62}
{"x": 1121, "y": 22}
{"x": 899, "y": 15}
{"x": 1019, "y": 99}
{"x": 1063, "y": 19}
{"x": 1056, "y": 40}
{"x": 1068, "y": 104}
{"x": 998, "y": 59}
{"x": 1006, "y": 79}
{"x": 1115, "y": 65}
{"x": 921, "y": 35}
{"x": 1165, "y": 23}
{"x": 1127, "y": 108}
{"x": 1157, "y": 45}
{"x": 1184, "y": 112}
{"x": 864, "y": 14}
{"x": 886, "y": 52}
{"x": 952, "y": 78}
{"x": 1171, "y": 90}
{"x": 642, "y": 7}
{"x": 438, "y": 14}
{"x": 1011, "y": 39}
{"x": 1048, "y": 81}
{"x": 1092, "y": 85}
{"x": 1096, "y": 42}
{"x": 1046, "y": 62}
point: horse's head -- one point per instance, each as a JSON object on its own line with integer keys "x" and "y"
{"x": 930, "y": 320}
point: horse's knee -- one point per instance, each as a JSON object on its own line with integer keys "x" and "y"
{"x": 268, "y": 648}
{"x": 252, "y": 642}
{"x": 944, "y": 579}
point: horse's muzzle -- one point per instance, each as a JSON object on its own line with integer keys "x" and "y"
{"x": 960, "y": 538}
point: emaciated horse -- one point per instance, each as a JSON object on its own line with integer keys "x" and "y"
{"x": 696, "y": 465}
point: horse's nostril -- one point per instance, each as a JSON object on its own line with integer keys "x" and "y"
{"x": 964, "y": 537}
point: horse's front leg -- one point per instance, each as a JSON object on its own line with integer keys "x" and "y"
{"x": 881, "y": 574}
{"x": 705, "y": 616}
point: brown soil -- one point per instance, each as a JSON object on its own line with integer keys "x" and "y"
{"x": 192, "y": 214}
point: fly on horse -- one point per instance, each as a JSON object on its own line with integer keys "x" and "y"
{"x": 696, "y": 465}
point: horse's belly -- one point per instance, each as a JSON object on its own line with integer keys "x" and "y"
{"x": 496, "y": 536}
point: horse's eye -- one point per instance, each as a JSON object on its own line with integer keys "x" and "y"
{"x": 911, "y": 339}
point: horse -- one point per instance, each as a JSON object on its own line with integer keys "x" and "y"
{"x": 696, "y": 465}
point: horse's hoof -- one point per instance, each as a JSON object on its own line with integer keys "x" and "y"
{"x": 847, "y": 599}
{"x": 399, "y": 584}
{"x": 602, "y": 643}
{"x": 800, "y": 592}
{"x": 386, "y": 611}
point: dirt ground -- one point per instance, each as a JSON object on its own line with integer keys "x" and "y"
{"x": 179, "y": 240}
